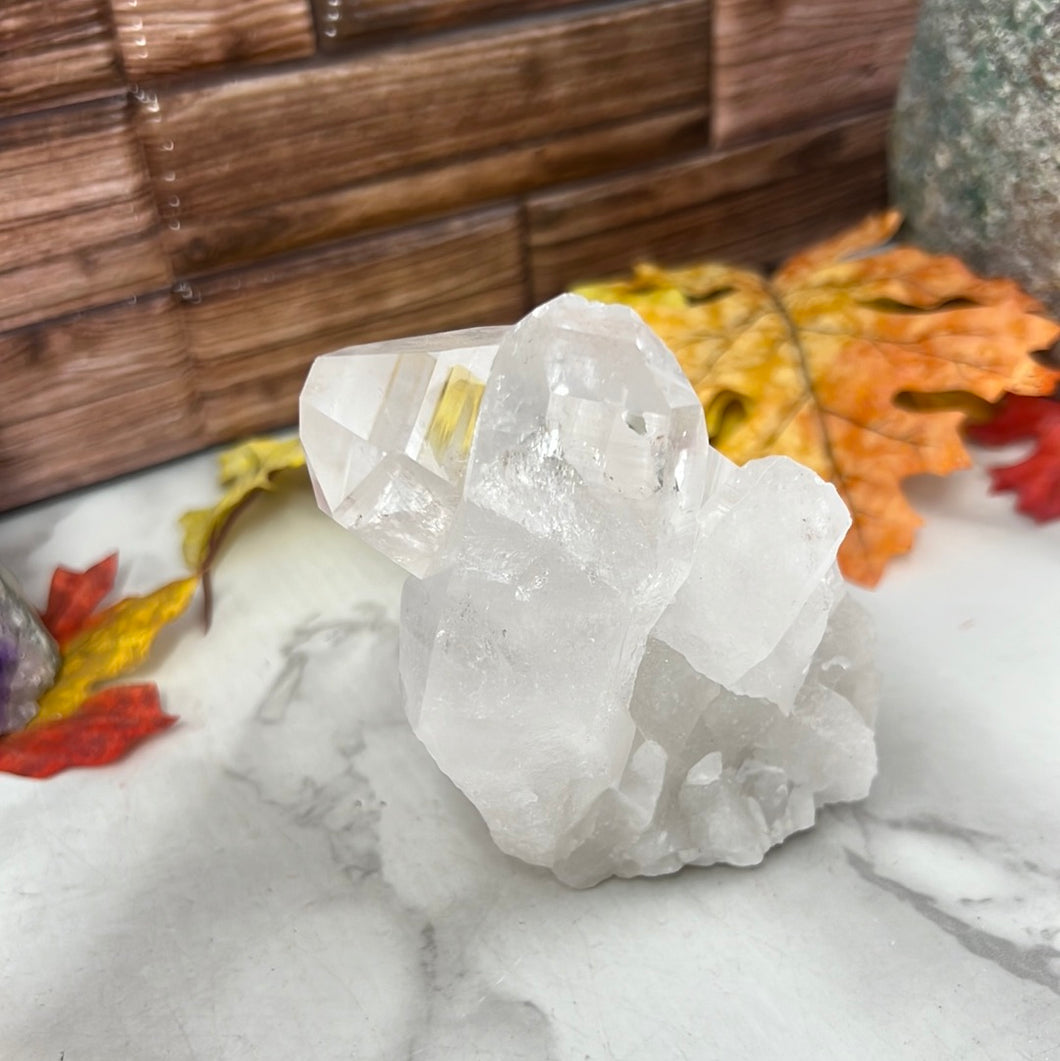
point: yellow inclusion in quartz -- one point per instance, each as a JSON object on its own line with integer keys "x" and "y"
{"x": 452, "y": 426}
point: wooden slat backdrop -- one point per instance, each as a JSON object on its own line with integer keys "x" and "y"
{"x": 73, "y": 382}
{"x": 779, "y": 65}
{"x": 343, "y": 22}
{"x": 389, "y": 112}
{"x": 751, "y": 206}
{"x": 78, "y": 225}
{"x": 199, "y": 196}
{"x": 102, "y": 353}
{"x": 251, "y": 235}
{"x": 85, "y": 443}
{"x": 251, "y": 328}
{"x": 160, "y": 37}
{"x": 55, "y": 51}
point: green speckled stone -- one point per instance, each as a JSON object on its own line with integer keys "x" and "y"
{"x": 975, "y": 145}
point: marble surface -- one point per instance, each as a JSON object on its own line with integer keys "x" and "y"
{"x": 285, "y": 874}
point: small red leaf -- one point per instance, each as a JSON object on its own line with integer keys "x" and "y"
{"x": 1035, "y": 480}
{"x": 1018, "y": 417}
{"x": 75, "y": 595}
{"x": 110, "y": 724}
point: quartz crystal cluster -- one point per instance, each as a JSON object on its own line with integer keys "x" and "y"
{"x": 627, "y": 652}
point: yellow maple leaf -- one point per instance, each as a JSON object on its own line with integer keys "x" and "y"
{"x": 244, "y": 470}
{"x": 857, "y": 361}
{"x": 115, "y": 643}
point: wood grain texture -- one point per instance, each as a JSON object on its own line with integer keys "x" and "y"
{"x": 342, "y": 22}
{"x": 55, "y": 51}
{"x": 78, "y": 226}
{"x": 240, "y": 238}
{"x": 754, "y": 205}
{"x": 404, "y": 183}
{"x": 778, "y": 65}
{"x": 254, "y": 333}
{"x": 161, "y": 37}
{"x": 91, "y": 356}
{"x": 213, "y": 152}
{"x": 91, "y": 442}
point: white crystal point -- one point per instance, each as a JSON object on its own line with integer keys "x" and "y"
{"x": 585, "y": 479}
{"x": 365, "y": 422}
{"x": 768, "y": 538}
{"x": 630, "y": 654}
{"x": 591, "y": 438}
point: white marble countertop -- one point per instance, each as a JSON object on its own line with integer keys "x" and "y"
{"x": 286, "y": 875}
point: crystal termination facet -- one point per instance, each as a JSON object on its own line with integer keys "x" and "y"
{"x": 630, "y": 654}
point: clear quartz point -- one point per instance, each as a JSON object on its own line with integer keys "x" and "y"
{"x": 628, "y": 653}
{"x": 389, "y": 427}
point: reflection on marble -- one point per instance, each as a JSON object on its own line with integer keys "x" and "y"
{"x": 287, "y": 874}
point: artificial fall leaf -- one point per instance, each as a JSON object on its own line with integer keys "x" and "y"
{"x": 75, "y": 595}
{"x": 1035, "y": 480}
{"x": 113, "y": 643}
{"x": 245, "y": 471}
{"x": 856, "y": 360}
{"x": 76, "y": 725}
{"x": 108, "y": 725}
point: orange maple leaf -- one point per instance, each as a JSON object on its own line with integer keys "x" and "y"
{"x": 855, "y": 359}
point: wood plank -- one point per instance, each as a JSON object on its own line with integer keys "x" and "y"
{"x": 161, "y": 37}
{"x": 212, "y": 155}
{"x": 270, "y": 399}
{"x": 90, "y": 356}
{"x": 754, "y": 206}
{"x": 78, "y": 226}
{"x": 780, "y": 65}
{"x": 240, "y": 238}
{"x": 90, "y": 442}
{"x": 254, "y": 333}
{"x": 55, "y": 51}
{"x": 342, "y": 22}
{"x": 565, "y": 215}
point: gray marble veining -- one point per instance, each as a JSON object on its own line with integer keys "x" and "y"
{"x": 288, "y": 874}
{"x": 997, "y": 905}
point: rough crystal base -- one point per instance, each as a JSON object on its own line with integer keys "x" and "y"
{"x": 628, "y": 653}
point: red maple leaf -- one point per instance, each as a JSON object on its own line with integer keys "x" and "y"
{"x": 109, "y": 724}
{"x": 75, "y": 595}
{"x": 1035, "y": 480}
{"x": 111, "y": 721}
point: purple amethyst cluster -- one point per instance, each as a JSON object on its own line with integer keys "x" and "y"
{"x": 29, "y": 658}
